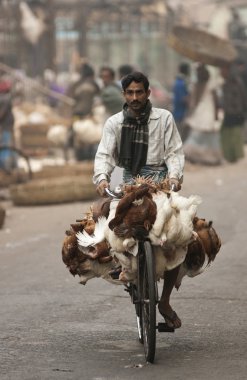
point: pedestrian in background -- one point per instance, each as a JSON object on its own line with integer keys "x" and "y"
{"x": 7, "y": 160}
{"x": 241, "y": 68}
{"x": 111, "y": 95}
{"x": 234, "y": 102}
{"x": 203, "y": 143}
{"x": 181, "y": 98}
{"x": 123, "y": 70}
{"x": 84, "y": 92}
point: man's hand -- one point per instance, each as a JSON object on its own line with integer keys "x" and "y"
{"x": 101, "y": 187}
{"x": 174, "y": 184}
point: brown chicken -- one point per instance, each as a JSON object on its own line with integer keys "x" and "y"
{"x": 71, "y": 255}
{"x": 208, "y": 236}
{"x": 135, "y": 214}
{"x": 206, "y": 245}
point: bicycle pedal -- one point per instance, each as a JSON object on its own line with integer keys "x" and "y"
{"x": 163, "y": 327}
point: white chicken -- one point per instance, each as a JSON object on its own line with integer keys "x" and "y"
{"x": 128, "y": 264}
{"x": 58, "y": 135}
{"x": 179, "y": 228}
{"x": 164, "y": 262}
{"x": 164, "y": 213}
{"x": 87, "y": 131}
{"x": 86, "y": 240}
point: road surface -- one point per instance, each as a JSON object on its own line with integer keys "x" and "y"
{"x": 53, "y": 328}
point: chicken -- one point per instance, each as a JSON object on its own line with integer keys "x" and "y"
{"x": 128, "y": 264}
{"x": 119, "y": 244}
{"x": 209, "y": 237}
{"x": 101, "y": 207}
{"x": 173, "y": 226}
{"x": 97, "y": 235}
{"x": 92, "y": 268}
{"x": 201, "y": 251}
{"x": 71, "y": 255}
{"x": 99, "y": 245}
{"x": 167, "y": 260}
{"x": 87, "y": 131}
{"x": 58, "y": 135}
{"x": 179, "y": 228}
{"x": 135, "y": 214}
{"x": 164, "y": 212}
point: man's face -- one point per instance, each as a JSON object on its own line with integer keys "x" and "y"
{"x": 106, "y": 77}
{"x": 136, "y": 96}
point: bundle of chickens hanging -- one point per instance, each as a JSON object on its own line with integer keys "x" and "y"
{"x": 105, "y": 242}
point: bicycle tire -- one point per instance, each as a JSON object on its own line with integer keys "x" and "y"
{"x": 138, "y": 310}
{"x": 148, "y": 301}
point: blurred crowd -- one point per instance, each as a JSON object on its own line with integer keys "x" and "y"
{"x": 208, "y": 105}
{"x": 210, "y": 111}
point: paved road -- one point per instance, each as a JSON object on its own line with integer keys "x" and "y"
{"x": 53, "y": 328}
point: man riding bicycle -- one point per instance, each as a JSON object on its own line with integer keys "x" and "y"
{"x": 144, "y": 141}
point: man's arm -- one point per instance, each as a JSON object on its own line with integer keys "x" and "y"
{"x": 104, "y": 162}
{"x": 174, "y": 155}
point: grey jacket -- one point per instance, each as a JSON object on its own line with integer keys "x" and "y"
{"x": 164, "y": 147}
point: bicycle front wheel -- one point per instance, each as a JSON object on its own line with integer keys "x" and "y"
{"x": 148, "y": 301}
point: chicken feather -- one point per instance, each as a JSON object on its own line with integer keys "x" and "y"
{"x": 86, "y": 240}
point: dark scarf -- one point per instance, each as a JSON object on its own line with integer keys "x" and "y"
{"x": 134, "y": 139}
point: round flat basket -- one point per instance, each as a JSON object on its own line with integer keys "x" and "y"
{"x": 53, "y": 191}
{"x": 84, "y": 168}
{"x": 201, "y": 46}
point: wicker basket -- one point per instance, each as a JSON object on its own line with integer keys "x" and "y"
{"x": 84, "y": 168}
{"x": 201, "y": 46}
{"x": 53, "y": 191}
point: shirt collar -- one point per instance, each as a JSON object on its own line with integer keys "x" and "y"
{"x": 155, "y": 113}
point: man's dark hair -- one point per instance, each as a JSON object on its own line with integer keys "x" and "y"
{"x": 184, "y": 68}
{"x": 137, "y": 77}
{"x": 109, "y": 69}
{"x": 86, "y": 70}
{"x": 124, "y": 70}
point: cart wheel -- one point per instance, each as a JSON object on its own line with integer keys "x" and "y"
{"x": 148, "y": 293}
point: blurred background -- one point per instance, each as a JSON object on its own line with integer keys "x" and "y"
{"x": 37, "y": 35}
{"x": 49, "y": 47}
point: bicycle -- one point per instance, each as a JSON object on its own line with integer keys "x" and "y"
{"x": 144, "y": 295}
{"x": 14, "y": 165}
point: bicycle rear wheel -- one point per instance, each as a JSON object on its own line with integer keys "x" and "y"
{"x": 148, "y": 292}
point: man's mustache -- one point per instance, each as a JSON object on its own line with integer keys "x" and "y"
{"x": 135, "y": 102}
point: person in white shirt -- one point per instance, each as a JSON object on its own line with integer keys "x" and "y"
{"x": 144, "y": 141}
{"x": 140, "y": 139}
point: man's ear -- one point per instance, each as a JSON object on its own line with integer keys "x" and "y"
{"x": 148, "y": 92}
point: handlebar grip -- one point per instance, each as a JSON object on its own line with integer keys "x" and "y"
{"x": 109, "y": 192}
